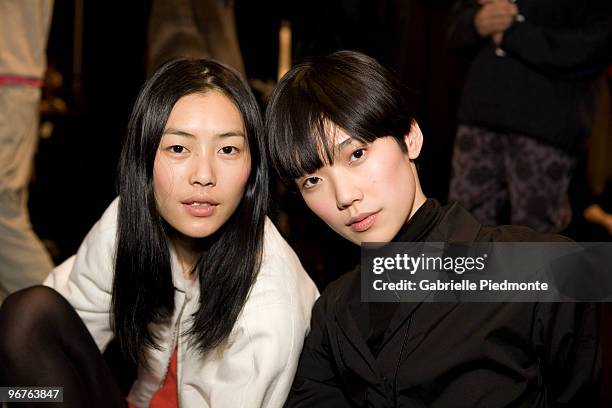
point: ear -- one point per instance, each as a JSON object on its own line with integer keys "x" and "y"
{"x": 414, "y": 140}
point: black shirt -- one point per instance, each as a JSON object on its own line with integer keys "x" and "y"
{"x": 449, "y": 354}
{"x": 417, "y": 228}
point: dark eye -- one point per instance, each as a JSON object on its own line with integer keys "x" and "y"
{"x": 229, "y": 150}
{"x": 310, "y": 182}
{"x": 177, "y": 149}
{"x": 357, "y": 154}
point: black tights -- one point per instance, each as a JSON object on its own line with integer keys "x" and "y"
{"x": 44, "y": 343}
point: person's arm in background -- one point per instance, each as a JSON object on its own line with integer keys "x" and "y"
{"x": 565, "y": 53}
{"x": 595, "y": 214}
{"x": 473, "y": 23}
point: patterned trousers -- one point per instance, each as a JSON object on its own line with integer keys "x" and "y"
{"x": 493, "y": 171}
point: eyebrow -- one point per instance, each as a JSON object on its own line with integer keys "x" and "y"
{"x": 178, "y": 132}
{"x": 338, "y": 148}
{"x": 344, "y": 143}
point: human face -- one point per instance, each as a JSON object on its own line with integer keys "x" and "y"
{"x": 202, "y": 164}
{"x": 370, "y": 190}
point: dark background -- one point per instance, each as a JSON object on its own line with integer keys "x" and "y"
{"x": 76, "y": 167}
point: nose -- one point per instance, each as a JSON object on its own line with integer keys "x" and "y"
{"x": 347, "y": 192}
{"x": 203, "y": 172}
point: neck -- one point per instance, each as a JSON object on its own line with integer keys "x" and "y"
{"x": 419, "y": 200}
{"x": 419, "y": 197}
{"x": 186, "y": 258}
{"x": 187, "y": 251}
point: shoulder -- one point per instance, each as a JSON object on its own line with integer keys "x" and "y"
{"x": 94, "y": 258}
{"x": 99, "y": 246}
{"x": 104, "y": 231}
{"x": 336, "y": 294}
{"x": 109, "y": 217}
{"x": 515, "y": 233}
{"x": 281, "y": 280}
{"x": 276, "y": 251}
{"x": 459, "y": 225}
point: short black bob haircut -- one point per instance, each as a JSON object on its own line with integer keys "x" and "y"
{"x": 229, "y": 260}
{"x": 347, "y": 90}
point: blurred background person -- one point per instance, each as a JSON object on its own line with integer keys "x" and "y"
{"x": 193, "y": 29}
{"x": 597, "y": 200}
{"x": 24, "y": 27}
{"x": 528, "y": 104}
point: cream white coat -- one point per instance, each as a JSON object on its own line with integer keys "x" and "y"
{"x": 255, "y": 367}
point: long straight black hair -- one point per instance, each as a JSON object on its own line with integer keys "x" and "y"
{"x": 143, "y": 291}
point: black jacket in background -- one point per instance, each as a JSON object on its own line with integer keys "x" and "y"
{"x": 546, "y": 85}
{"x": 449, "y": 354}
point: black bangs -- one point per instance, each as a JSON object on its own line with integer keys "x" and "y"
{"x": 307, "y": 143}
{"x": 345, "y": 90}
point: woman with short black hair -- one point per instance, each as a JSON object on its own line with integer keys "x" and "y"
{"x": 340, "y": 132}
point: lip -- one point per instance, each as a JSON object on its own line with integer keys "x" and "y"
{"x": 363, "y": 222}
{"x": 200, "y": 210}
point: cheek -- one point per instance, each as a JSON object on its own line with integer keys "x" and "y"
{"x": 246, "y": 172}
{"x": 238, "y": 177}
{"x": 163, "y": 180}
{"x": 322, "y": 206}
{"x": 384, "y": 171}
{"x": 392, "y": 176}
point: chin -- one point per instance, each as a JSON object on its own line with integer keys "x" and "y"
{"x": 197, "y": 235}
{"x": 194, "y": 232}
{"x": 360, "y": 240}
{"x": 377, "y": 236}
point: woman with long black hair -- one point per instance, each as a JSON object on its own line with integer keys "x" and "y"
{"x": 183, "y": 268}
